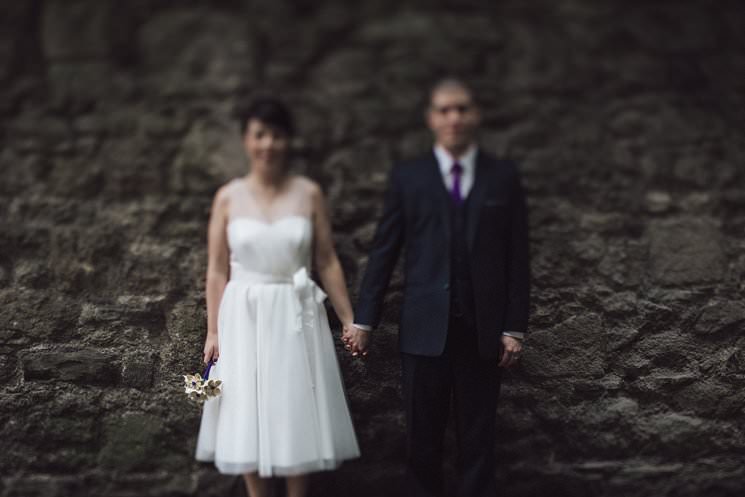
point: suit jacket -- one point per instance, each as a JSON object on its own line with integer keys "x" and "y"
{"x": 416, "y": 217}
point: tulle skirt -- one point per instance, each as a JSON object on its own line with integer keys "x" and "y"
{"x": 283, "y": 409}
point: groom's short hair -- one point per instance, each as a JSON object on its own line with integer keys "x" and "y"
{"x": 447, "y": 83}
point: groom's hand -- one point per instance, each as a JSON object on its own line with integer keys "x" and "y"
{"x": 356, "y": 340}
{"x": 510, "y": 351}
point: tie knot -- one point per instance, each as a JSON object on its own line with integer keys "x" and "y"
{"x": 456, "y": 169}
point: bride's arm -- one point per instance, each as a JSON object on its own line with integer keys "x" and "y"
{"x": 218, "y": 267}
{"x": 326, "y": 260}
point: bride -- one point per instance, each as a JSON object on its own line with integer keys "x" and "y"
{"x": 283, "y": 409}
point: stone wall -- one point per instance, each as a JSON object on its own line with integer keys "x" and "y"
{"x": 626, "y": 117}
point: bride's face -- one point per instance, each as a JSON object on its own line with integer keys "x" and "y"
{"x": 266, "y": 146}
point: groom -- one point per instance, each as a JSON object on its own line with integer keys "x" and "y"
{"x": 459, "y": 214}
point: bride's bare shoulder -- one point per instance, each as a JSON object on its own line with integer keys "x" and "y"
{"x": 309, "y": 187}
{"x": 223, "y": 194}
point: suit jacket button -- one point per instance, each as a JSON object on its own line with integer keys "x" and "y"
{"x": 446, "y": 286}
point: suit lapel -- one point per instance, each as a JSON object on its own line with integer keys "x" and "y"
{"x": 437, "y": 185}
{"x": 476, "y": 197}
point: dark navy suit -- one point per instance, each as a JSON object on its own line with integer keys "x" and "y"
{"x": 466, "y": 281}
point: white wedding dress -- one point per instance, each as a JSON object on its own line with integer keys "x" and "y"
{"x": 283, "y": 409}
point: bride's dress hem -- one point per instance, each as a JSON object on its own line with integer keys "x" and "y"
{"x": 239, "y": 468}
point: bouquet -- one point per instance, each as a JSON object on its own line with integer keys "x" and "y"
{"x": 198, "y": 388}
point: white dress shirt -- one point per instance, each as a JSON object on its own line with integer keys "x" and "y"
{"x": 468, "y": 163}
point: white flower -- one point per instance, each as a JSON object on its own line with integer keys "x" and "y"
{"x": 197, "y": 397}
{"x": 198, "y": 389}
{"x": 212, "y": 388}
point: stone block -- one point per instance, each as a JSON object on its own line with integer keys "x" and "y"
{"x": 85, "y": 367}
{"x": 131, "y": 441}
{"x": 721, "y": 316}
{"x": 43, "y": 485}
{"x": 137, "y": 370}
{"x": 74, "y": 29}
{"x": 129, "y": 310}
{"x": 190, "y": 50}
{"x": 569, "y": 349}
{"x": 31, "y": 315}
{"x": 686, "y": 251}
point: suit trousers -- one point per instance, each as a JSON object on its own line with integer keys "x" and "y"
{"x": 460, "y": 379}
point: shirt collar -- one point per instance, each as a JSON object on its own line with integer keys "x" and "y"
{"x": 467, "y": 159}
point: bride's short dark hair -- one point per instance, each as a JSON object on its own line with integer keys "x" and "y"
{"x": 269, "y": 110}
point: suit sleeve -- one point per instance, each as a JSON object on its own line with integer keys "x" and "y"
{"x": 518, "y": 261}
{"x": 386, "y": 247}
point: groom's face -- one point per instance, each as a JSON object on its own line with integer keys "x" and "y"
{"x": 453, "y": 118}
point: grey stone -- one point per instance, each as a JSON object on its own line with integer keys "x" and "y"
{"x": 338, "y": 75}
{"x": 621, "y": 303}
{"x": 91, "y": 367}
{"x": 720, "y": 316}
{"x": 409, "y": 26}
{"x": 734, "y": 363}
{"x": 7, "y": 53}
{"x": 618, "y": 338}
{"x": 591, "y": 249}
{"x": 686, "y": 251}
{"x": 137, "y": 370}
{"x": 667, "y": 350}
{"x": 76, "y": 29}
{"x": 33, "y": 316}
{"x": 79, "y": 84}
{"x": 8, "y": 367}
{"x": 658, "y": 201}
{"x": 710, "y": 399}
{"x": 208, "y": 151}
{"x": 31, "y": 273}
{"x": 43, "y": 486}
{"x": 192, "y": 50}
{"x": 695, "y": 167}
{"x": 697, "y": 202}
{"x": 131, "y": 441}
{"x": 569, "y": 349}
{"x": 623, "y": 262}
{"x": 675, "y": 429}
{"x": 664, "y": 381}
{"x": 659, "y": 470}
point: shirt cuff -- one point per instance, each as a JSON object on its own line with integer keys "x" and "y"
{"x": 363, "y": 327}
{"x": 514, "y": 334}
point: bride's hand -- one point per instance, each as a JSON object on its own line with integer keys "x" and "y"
{"x": 355, "y": 340}
{"x": 211, "y": 349}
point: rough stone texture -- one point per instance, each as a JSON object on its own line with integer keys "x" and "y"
{"x": 686, "y": 252}
{"x": 626, "y": 119}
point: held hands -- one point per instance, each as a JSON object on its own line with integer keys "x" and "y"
{"x": 211, "y": 348}
{"x": 355, "y": 340}
{"x": 510, "y": 352}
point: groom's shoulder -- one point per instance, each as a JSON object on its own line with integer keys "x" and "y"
{"x": 505, "y": 166}
{"x": 413, "y": 164}
{"x": 411, "y": 171}
{"x": 413, "y": 160}
{"x": 500, "y": 161}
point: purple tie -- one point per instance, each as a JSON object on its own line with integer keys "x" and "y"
{"x": 457, "y": 170}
